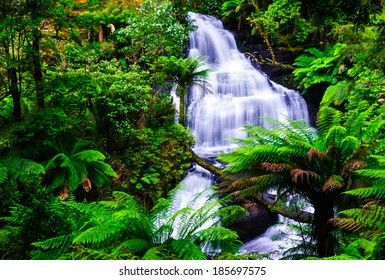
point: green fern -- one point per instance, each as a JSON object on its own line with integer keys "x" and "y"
{"x": 71, "y": 169}
{"x": 16, "y": 169}
{"x": 187, "y": 250}
{"x": 291, "y": 158}
{"x": 121, "y": 227}
{"x": 337, "y": 94}
{"x": 367, "y": 224}
{"x": 317, "y": 66}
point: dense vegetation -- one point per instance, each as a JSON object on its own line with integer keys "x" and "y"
{"x": 90, "y": 152}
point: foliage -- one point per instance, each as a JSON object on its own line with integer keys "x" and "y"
{"x": 317, "y": 66}
{"x": 16, "y": 176}
{"x": 74, "y": 166}
{"x": 153, "y": 32}
{"x": 122, "y": 228}
{"x": 365, "y": 225}
{"x": 283, "y": 18}
{"x": 156, "y": 162}
{"x": 34, "y": 215}
{"x": 184, "y": 73}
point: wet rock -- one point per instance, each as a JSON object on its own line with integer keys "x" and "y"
{"x": 258, "y": 221}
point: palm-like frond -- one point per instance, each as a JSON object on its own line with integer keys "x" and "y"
{"x": 72, "y": 169}
{"x": 121, "y": 227}
{"x": 337, "y": 94}
{"x": 187, "y": 250}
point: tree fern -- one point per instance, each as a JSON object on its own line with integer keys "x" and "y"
{"x": 69, "y": 171}
{"x": 290, "y": 157}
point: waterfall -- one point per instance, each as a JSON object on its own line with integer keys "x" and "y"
{"x": 238, "y": 94}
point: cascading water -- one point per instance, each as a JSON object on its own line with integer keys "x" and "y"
{"x": 237, "y": 94}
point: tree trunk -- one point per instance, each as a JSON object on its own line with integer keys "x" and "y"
{"x": 182, "y": 98}
{"x": 296, "y": 215}
{"x": 15, "y": 93}
{"x": 37, "y": 72}
{"x": 323, "y": 212}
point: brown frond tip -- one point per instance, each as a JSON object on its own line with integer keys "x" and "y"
{"x": 374, "y": 208}
{"x": 347, "y": 224}
{"x": 64, "y": 193}
{"x": 314, "y": 152}
{"x": 87, "y": 186}
{"x": 334, "y": 182}
{"x": 302, "y": 176}
{"x": 275, "y": 167}
{"x": 354, "y": 165}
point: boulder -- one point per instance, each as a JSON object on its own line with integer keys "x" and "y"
{"x": 256, "y": 223}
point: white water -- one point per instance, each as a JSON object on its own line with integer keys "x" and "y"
{"x": 238, "y": 95}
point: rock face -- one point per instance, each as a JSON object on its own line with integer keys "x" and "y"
{"x": 258, "y": 221}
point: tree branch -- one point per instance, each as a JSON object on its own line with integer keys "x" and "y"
{"x": 265, "y": 200}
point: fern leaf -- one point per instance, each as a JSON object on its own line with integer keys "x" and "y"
{"x": 303, "y": 176}
{"x": 59, "y": 178}
{"x": 57, "y": 242}
{"x": 187, "y": 250}
{"x": 89, "y": 156}
{"x": 336, "y": 94}
{"x": 327, "y": 118}
{"x": 153, "y": 254}
{"x": 98, "y": 234}
{"x": 3, "y": 174}
{"x": 335, "y": 135}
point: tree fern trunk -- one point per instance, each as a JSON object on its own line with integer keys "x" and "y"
{"x": 323, "y": 212}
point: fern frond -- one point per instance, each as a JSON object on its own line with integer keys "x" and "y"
{"x": 375, "y": 192}
{"x": 253, "y": 186}
{"x": 19, "y": 169}
{"x": 335, "y": 135}
{"x": 3, "y": 174}
{"x": 196, "y": 220}
{"x": 89, "y": 156}
{"x": 100, "y": 234}
{"x": 303, "y": 176}
{"x": 128, "y": 201}
{"x": 327, "y": 118}
{"x": 349, "y": 145}
{"x": 229, "y": 214}
{"x": 54, "y": 254}
{"x": 84, "y": 253}
{"x": 63, "y": 241}
{"x": 187, "y": 250}
{"x": 217, "y": 234}
{"x": 153, "y": 254}
{"x": 372, "y": 173}
{"x": 337, "y": 94}
{"x": 316, "y": 52}
{"x": 369, "y": 220}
